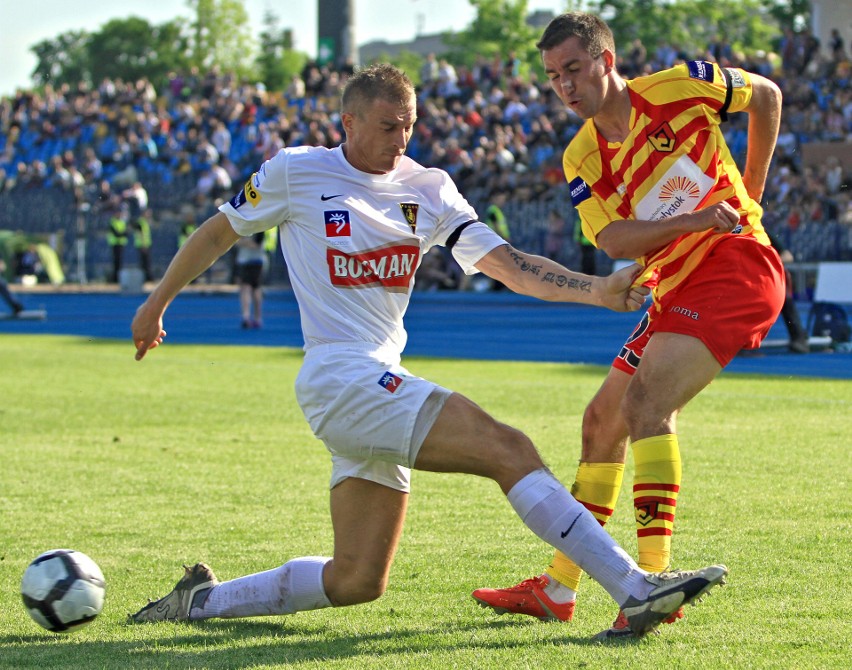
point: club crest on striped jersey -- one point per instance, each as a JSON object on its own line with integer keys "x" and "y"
{"x": 662, "y": 138}
{"x": 409, "y": 211}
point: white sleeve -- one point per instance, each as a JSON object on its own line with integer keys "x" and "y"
{"x": 471, "y": 242}
{"x": 263, "y": 202}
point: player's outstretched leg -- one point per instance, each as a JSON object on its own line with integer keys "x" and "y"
{"x": 190, "y": 591}
{"x": 670, "y": 592}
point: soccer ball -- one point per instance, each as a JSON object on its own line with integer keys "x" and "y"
{"x": 63, "y": 590}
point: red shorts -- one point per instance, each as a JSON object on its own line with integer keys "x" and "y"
{"x": 729, "y": 303}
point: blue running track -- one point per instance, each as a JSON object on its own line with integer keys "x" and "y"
{"x": 493, "y": 326}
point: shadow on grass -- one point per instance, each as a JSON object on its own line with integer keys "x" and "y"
{"x": 233, "y": 644}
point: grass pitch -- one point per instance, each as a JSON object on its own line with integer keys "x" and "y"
{"x": 200, "y": 453}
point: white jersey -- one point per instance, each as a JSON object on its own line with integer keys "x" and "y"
{"x": 353, "y": 241}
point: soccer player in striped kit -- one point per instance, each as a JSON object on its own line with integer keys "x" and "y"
{"x": 653, "y": 180}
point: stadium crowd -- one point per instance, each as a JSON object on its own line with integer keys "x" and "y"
{"x": 73, "y": 153}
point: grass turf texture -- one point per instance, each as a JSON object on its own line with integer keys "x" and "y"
{"x": 200, "y": 453}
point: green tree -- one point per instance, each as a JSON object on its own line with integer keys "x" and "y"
{"x": 221, "y": 36}
{"x": 793, "y": 13}
{"x": 62, "y": 60}
{"x": 500, "y": 28}
{"x": 277, "y": 61}
{"x": 132, "y": 48}
{"x": 407, "y": 61}
{"x": 691, "y": 25}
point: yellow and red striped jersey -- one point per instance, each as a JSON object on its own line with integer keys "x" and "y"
{"x": 675, "y": 160}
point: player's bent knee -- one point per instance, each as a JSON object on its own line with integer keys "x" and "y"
{"x": 356, "y": 589}
{"x": 351, "y": 582}
{"x": 594, "y": 420}
{"x": 513, "y": 450}
{"x": 642, "y": 414}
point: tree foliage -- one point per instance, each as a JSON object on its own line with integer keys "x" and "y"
{"x": 691, "y": 25}
{"x": 499, "y": 29}
{"x": 221, "y": 36}
{"x": 277, "y": 61}
{"x": 793, "y": 13}
{"x": 62, "y": 60}
{"x": 131, "y": 49}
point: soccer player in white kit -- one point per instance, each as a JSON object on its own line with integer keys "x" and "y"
{"x": 354, "y": 222}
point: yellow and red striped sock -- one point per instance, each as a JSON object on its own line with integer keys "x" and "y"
{"x": 596, "y": 487}
{"x": 656, "y": 484}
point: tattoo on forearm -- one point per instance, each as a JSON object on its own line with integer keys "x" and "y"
{"x": 558, "y": 279}
{"x": 562, "y": 281}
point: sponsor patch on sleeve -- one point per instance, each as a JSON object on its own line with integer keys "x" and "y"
{"x": 252, "y": 194}
{"x": 580, "y": 191}
{"x": 736, "y": 77}
{"x": 390, "y": 382}
{"x": 701, "y": 69}
{"x": 238, "y": 200}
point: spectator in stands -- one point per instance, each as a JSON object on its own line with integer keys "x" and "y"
{"x": 434, "y": 273}
{"x": 554, "y": 243}
{"x": 141, "y": 229}
{"x": 790, "y": 311}
{"x": 117, "y": 240}
{"x": 15, "y": 305}
{"x": 136, "y": 200}
{"x": 429, "y": 72}
{"x": 214, "y": 182}
{"x": 494, "y": 216}
{"x": 159, "y": 146}
{"x": 588, "y": 252}
{"x": 187, "y": 224}
{"x": 251, "y": 259}
{"x": 296, "y": 89}
{"x": 28, "y": 266}
{"x": 221, "y": 138}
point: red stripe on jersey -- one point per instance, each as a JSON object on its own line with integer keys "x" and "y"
{"x": 656, "y": 115}
{"x": 678, "y": 253}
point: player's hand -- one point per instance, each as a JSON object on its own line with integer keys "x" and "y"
{"x": 147, "y": 330}
{"x": 621, "y": 293}
{"x": 722, "y": 217}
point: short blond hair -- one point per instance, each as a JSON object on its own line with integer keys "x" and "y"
{"x": 381, "y": 81}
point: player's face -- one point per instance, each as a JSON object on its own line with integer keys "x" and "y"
{"x": 577, "y": 78}
{"x": 376, "y": 139}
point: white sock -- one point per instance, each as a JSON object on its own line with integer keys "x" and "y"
{"x": 553, "y": 514}
{"x": 558, "y": 592}
{"x": 295, "y": 586}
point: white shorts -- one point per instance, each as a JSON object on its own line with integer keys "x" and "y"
{"x": 371, "y": 413}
